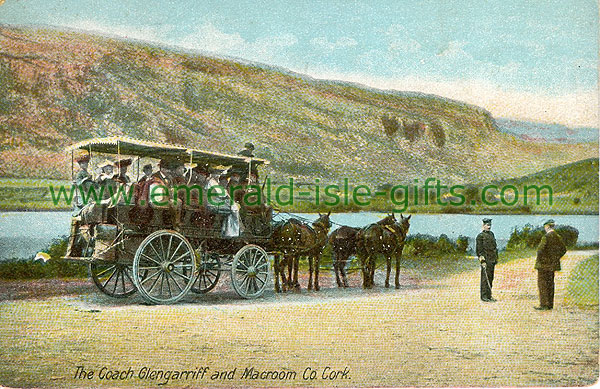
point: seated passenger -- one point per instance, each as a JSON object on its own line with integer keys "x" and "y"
{"x": 222, "y": 204}
{"x": 180, "y": 180}
{"x": 147, "y": 170}
{"x": 105, "y": 180}
{"x": 160, "y": 190}
{"x": 140, "y": 186}
{"x": 83, "y": 181}
{"x": 122, "y": 176}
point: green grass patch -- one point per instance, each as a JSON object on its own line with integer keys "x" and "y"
{"x": 54, "y": 268}
{"x": 582, "y": 289}
{"x": 29, "y": 194}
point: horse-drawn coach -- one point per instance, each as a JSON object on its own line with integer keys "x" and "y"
{"x": 196, "y": 214}
{"x": 137, "y": 235}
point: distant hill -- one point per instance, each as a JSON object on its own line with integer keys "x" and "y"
{"x": 60, "y": 87}
{"x": 545, "y": 132}
{"x": 580, "y": 176}
{"x": 574, "y": 186}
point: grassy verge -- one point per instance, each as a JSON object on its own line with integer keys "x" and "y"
{"x": 29, "y": 194}
{"x": 582, "y": 289}
{"x": 54, "y": 268}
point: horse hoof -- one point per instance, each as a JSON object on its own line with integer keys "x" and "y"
{"x": 387, "y": 285}
{"x": 317, "y": 288}
{"x": 397, "y": 286}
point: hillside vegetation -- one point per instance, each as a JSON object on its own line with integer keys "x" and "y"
{"x": 59, "y": 87}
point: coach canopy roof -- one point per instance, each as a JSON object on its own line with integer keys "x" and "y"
{"x": 130, "y": 146}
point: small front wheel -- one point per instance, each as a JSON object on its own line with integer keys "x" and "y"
{"x": 250, "y": 271}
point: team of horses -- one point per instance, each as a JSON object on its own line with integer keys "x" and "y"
{"x": 294, "y": 239}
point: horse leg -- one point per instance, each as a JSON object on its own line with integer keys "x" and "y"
{"x": 317, "y": 263}
{"x": 365, "y": 269}
{"x": 342, "y": 267}
{"x": 398, "y": 257}
{"x": 336, "y": 268}
{"x": 388, "y": 260}
{"x": 296, "y": 264}
{"x": 372, "y": 271}
{"x": 310, "y": 272}
{"x": 397, "y": 270}
{"x": 276, "y": 266}
{"x": 285, "y": 282}
{"x": 290, "y": 265}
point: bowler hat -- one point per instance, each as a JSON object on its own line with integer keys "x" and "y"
{"x": 123, "y": 162}
{"x": 249, "y": 146}
{"x": 549, "y": 222}
{"x": 487, "y": 221}
{"x": 218, "y": 169}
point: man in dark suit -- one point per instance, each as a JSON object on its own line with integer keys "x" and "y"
{"x": 487, "y": 252}
{"x": 550, "y": 251}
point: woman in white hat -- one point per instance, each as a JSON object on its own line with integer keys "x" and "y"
{"x": 105, "y": 180}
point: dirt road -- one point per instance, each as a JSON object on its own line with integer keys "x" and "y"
{"x": 428, "y": 333}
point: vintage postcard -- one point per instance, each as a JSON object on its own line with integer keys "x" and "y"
{"x": 299, "y": 193}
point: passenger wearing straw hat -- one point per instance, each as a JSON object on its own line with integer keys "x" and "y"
{"x": 222, "y": 204}
{"x": 82, "y": 181}
{"x": 105, "y": 180}
{"x": 550, "y": 251}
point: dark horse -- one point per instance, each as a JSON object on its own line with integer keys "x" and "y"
{"x": 343, "y": 245}
{"x": 294, "y": 239}
{"x": 386, "y": 239}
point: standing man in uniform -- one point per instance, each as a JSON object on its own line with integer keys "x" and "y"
{"x": 248, "y": 150}
{"x": 550, "y": 251}
{"x": 487, "y": 252}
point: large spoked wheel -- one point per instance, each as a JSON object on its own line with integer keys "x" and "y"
{"x": 164, "y": 267}
{"x": 209, "y": 272}
{"x": 113, "y": 279}
{"x": 250, "y": 271}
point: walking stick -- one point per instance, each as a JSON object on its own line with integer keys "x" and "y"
{"x": 483, "y": 266}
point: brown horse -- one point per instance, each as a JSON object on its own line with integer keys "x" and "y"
{"x": 294, "y": 239}
{"x": 343, "y": 245}
{"x": 386, "y": 239}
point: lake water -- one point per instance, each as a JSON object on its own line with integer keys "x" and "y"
{"x": 23, "y": 234}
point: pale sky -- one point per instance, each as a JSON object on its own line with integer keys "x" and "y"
{"x": 534, "y": 60}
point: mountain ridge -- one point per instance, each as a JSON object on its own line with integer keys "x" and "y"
{"x": 60, "y": 87}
